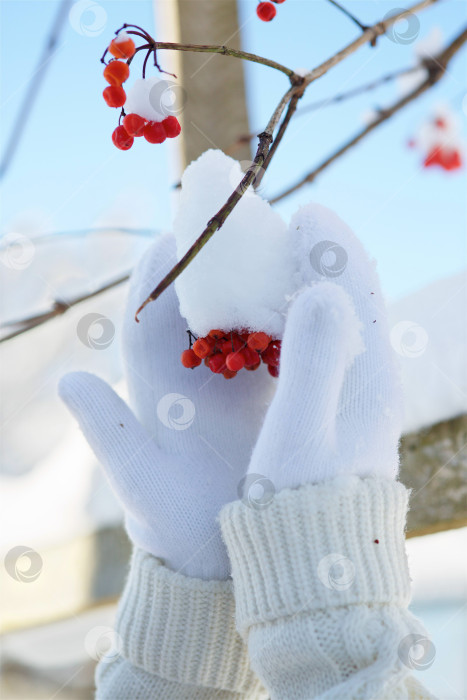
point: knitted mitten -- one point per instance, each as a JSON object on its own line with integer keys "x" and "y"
{"x": 338, "y": 407}
{"x": 180, "y": 456}
{"x": 317, "y": 542}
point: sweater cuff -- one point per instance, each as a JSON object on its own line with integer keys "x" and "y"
{"x": 319, "y": 546}
{"x": 182, "y": 629}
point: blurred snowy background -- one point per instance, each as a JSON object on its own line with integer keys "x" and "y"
{"x": 104, "y": 207}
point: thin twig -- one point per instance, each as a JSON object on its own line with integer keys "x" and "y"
{"x": 348, "y": 14}
{"x": 36, "y": 82}
{"x": 226, "y": 51}
{"x": 58, "y": 309}
{"x": 435, "y": 73}
{"x": 329, "y": 101}
{"x": 368, "y": 36}
{"x": 280, "y": 133}
{"x": 299, "y": 85}
{"x": 45, "y": 237}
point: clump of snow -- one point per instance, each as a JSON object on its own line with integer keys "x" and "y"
{"x": 408, "y": 82}
{"x": 430, "y": 45}
{"x": 123, "y": 36}
{"x": 429, "y": 334}
{"x": 426, "y": 48}
{"x": 369, "y": 116}
{"x": 244, "y": 275}
{"x": 146, "y": 98}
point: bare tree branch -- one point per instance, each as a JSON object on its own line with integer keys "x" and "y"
{"x": 58, "y": 309}
{"x": 61, "y": 235}
{"x": 36, "y": 81}
{"x": 436, "y": 70}
{"x": 265, "y": 139}
{"x": 226, "y": 51}
{"x": 199, "y": 48}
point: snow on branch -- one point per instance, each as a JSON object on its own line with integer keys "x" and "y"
{"x": 262, "y": 160}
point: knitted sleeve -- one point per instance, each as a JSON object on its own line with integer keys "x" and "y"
{"x": 322, "y": 587}
{"x": 176, "y": 640}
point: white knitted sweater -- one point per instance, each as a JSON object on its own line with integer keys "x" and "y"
{"x": 321, "y": 590}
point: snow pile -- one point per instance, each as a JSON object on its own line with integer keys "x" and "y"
{"x": 149, "y": 98}
{"x": 244, "y": 276}
{"x": 429, "y": 333}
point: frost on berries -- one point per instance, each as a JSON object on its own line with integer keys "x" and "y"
{"x": 439, "y": 140}
{"x": 122, "y": 46}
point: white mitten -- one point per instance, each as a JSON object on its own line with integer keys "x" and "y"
{"x": 338, "y": 407}
{"x": 180, "y": 456}
{"x": 318, "y": 559}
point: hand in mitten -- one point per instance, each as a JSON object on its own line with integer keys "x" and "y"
{"x": 179, "y": 457}
{"x": 338, "y": 407}
{"x": 318, "y": 561}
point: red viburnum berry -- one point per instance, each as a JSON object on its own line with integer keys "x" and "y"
{"x": 217, "y": 363}
{"x": 116, "y": 72}
{"x": 122, "y": 47}
{"x": 172, "y": 127}
{"x": 190, "y": 359}
{"x": 266, "y": 11}
{"x": 451, "y": 160}
{"x": 229, "y": 374}
{"x": 271, "y": 355}
{"x": 433, "y": 158}
{"x": 252, "y": 368}
{"x": 273, "y": 371}
{"x": 216, "y": 334}
{"x": 114, "y": 96}
{"x": 258, "y": 341}
{"x": 154, "y": 132}
{"x": 134, "y": 124}
{"x": 251, "y": 357}
{"x": 122, "y": 139}
{"x": 235, "y": 361}
{"x": 203, "y": 347}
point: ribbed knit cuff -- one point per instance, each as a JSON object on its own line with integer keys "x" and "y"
{"x": 327, "y": 545}
{"x": 182, "y": 629}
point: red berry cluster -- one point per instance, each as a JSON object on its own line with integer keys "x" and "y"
{"x": 227, "y": 353}
{"x": 154, "y": 132}
{"x": 116, "y": 73}
{"x": 266, "y": 10}
{"x": 448, "y": 159}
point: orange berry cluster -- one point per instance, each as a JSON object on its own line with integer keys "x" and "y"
{"x": 117, "y": 72}
{"x": 227, "y": 353}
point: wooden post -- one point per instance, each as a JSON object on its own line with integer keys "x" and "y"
{"x": 214, "y": 113}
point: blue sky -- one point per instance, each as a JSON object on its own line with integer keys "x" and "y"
{"x": 67, "y": 174}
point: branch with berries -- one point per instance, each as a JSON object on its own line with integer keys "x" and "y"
{"x": 369, "y": 35}
{"x": 123, "y": 50}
